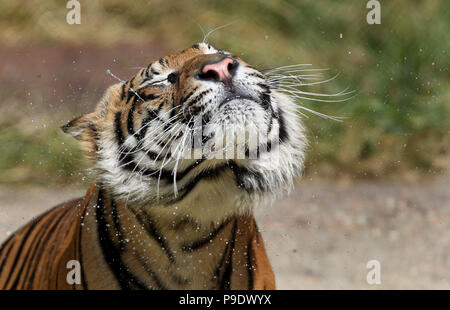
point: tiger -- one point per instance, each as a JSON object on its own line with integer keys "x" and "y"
{"x": 157, "y": 216}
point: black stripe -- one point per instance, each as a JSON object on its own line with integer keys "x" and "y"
{"x": 205, "y": 239}
{"x": 241, "y": 173}
{"x": 269, "y": 128}
{"x": 130, "y": 93}
{"x": 205, "y": 174}
{"x": 19, "y": 252}
{"x": 147, "y": 71}
{"x": 121, "y": 272}
{"x": 267, "y": 105}
{"x": 122, "y": 94}
{"x": 266, "y": 101}
{"x": 283, "y": 132}
{"x": 156, "y": 156}
{"x": 257, "y": 74}
{"x": 126, "y": 159}
{"x": 264, "y": 87}
{"x": 250, "y": 265}
{"x": 152, "y": 115}
{"x": 154, "y": 233}
{"x": 118, "y": 128}
{"x": 153, "y": 274}
{"x": 172, "y": 114}
{"x": 117, "y": 226}
{"x": 221, "y": 263}
{"x": 148, "y": 97}
{"x": 150, "y": 154}
{"x": 198, "y": 97}
{"x": 184, "y": 222}
{"x": 130, "y": 125}
{"x": 226, "y": 280}
{"x": 5, "y": 258}
{"x": 167, "y": 175}
{"x": 183, "y": 99}
{"x": 80, "y": 252}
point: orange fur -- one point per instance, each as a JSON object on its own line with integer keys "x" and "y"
{"x": 53, "y": 239}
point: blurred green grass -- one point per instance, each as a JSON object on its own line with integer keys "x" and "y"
{"x": 41, "y": 157}
{"x": 398, "y": 123}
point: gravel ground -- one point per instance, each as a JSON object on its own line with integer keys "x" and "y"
{"x": 325, "y": 232}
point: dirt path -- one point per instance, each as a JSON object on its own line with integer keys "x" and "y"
{"x": 323, "y": 235}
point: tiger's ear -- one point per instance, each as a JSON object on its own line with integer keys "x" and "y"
{"x": 84, "y": 130}
{"x": 79, "y": 126}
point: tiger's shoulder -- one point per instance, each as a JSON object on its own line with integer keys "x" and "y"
{"x": 41, "y": 248}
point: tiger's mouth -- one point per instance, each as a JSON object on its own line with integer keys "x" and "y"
{"x": 234, "y": 96}
{"x": 240, "y": 106}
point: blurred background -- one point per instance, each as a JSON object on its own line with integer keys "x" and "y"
{"x": 376, "y": 185}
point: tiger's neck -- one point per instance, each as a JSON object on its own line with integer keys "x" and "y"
{"x": 135, "y": 248}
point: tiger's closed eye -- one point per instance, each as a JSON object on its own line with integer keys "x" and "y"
{"x": 172, "y": 78}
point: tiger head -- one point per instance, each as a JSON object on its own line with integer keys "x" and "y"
{"x": 162, "y": 138}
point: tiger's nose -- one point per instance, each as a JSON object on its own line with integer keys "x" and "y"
{"x": 220, "y": 71}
